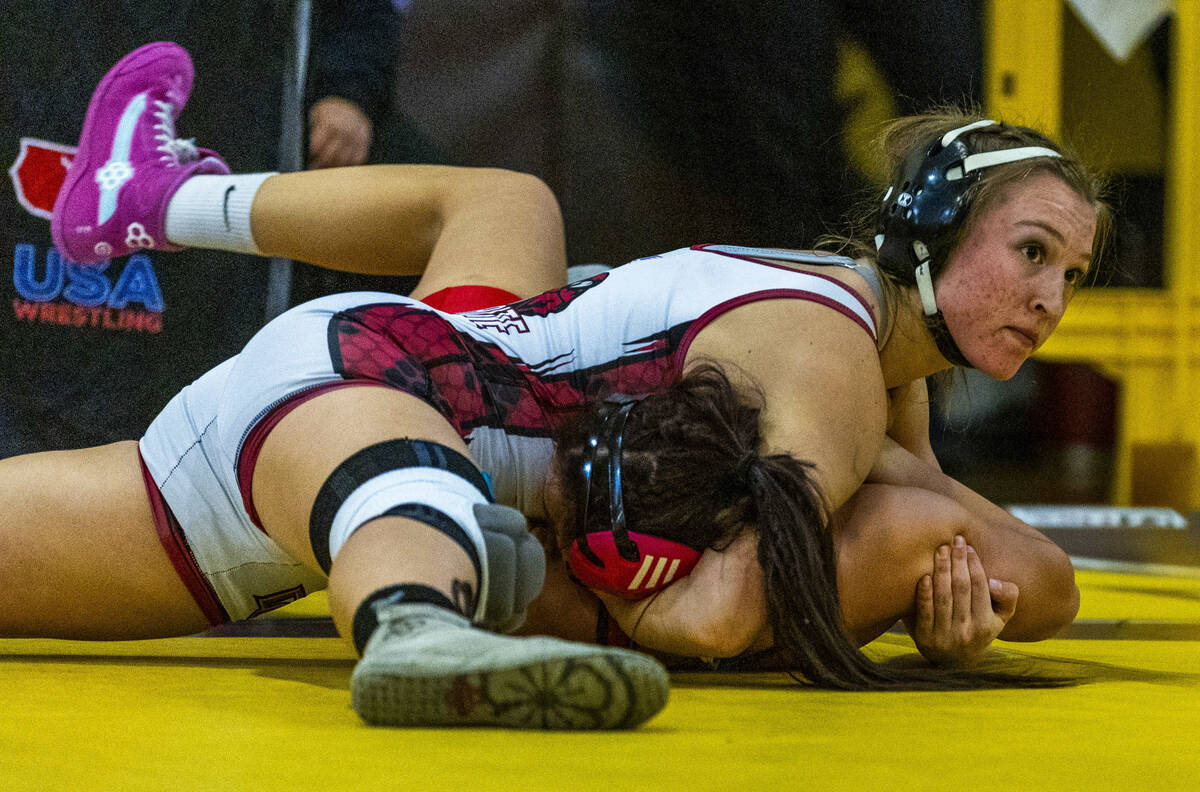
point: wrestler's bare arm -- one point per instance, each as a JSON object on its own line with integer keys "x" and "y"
{"x": 718, "y": 610}
{"x": 825, "y": 403}
{"x": 1009, "y": 549}
{"x": 887, "y": 537}
{"x": 486, "y": 227}
{"x": 908, "y": 420}
{"x": 908, "y": 461}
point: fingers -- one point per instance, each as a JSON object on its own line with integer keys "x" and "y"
{"x": 323, "y": 154}
{"x": 923, "y": 625}
{"x": 319, "y": 145}
{"x": 943, "y": 590}
{"x": 328, "y": 147}
{"x": 1004, "y": 598}
{"x": 932, "y": 627}
{"x": 981, "y": 595}
{"x": 339, "y": 134}
{"x": 333, "y": 150}
{"x": 321, "y": 134}
{"x": 960, "y": 583}
{"x": 959, "y": 610}
{"x": 989, "y": 595}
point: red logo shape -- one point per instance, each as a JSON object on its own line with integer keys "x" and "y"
{"x": 38, "y": 174}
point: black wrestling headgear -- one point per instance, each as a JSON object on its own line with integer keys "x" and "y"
{"x": 922, "y": 209}
{"x": 615, "y": 559}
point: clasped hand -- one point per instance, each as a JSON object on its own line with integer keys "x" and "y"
{"x": 959, "y": 610}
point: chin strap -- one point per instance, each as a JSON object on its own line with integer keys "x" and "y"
{"x": 934, "y": 320}
{"x": 936, "y": 324}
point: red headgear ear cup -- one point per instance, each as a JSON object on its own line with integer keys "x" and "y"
{"x": 661, "y": 561}
{"x": 618, "y": 561}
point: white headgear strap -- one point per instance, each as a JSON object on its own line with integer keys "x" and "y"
{"x": 924, "y": 279}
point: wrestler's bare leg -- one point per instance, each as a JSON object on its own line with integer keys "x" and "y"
{"x": 421, "y": 655}
{"x": 78, "y": 520}
{"x": 297, "y": 458}
{"x": 453, "y": 226}
{"x": 79, "y": 553}
{"x": 446, "y": 224}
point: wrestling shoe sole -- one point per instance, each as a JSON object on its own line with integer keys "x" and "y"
{"x": 603, "y": 689}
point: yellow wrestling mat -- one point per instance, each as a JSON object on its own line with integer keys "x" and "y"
{"x": 269, "y": 713}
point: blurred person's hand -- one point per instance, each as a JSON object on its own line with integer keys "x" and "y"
{"x": 339, "y": 133}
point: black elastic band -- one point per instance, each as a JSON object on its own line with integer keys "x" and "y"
{"x": 366, "y": 620}
{"x": 602, "y": 625}
{"x": 614, "y": 437}
{"x": 373, "y": 461}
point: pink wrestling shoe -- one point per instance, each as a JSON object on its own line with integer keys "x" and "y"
{"x": 129, "y": 163}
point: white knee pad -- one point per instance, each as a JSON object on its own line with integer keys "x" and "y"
{"x": 437, "y": 486}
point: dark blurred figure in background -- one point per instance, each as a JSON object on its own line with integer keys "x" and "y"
{"x": 350, "y": 79}
{"x": 661, "y": 123}
{"x": 739, "y": 101}
{"x": 350, "y": 116}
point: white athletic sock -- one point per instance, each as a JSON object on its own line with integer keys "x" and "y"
{"x": 214, "y": 212}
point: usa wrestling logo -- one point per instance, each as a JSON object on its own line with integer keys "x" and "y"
{"x": 51, "y": 289}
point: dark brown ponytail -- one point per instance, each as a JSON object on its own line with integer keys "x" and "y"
{"x": 693, "y": 473}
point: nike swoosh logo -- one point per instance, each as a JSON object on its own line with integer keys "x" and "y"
{"x": 225, "y": 206}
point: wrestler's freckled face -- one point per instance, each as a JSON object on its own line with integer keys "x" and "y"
{"x": 1007, "y": 284}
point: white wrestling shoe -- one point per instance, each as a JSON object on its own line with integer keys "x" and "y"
{"x": 426, "y": 666}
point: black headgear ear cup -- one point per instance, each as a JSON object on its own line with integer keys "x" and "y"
{"x": 924, "y": 203}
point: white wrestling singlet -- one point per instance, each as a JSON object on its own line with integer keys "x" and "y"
{"x": 500, "y": 376}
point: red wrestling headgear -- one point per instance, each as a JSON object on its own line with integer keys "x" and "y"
{"x": 618, "y": 561}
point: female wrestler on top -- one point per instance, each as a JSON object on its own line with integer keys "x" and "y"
{"x": 340, "y": 447}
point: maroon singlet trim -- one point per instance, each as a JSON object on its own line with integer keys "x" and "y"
{"x": 767, "y": 294}
{"x": 853, "y": 292}
{"x": 170, "y": 535}
{"x": 248, "y": 455}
